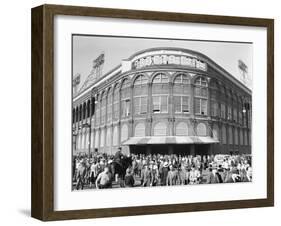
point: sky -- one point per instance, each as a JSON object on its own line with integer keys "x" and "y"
{"x": 88, "y": 48}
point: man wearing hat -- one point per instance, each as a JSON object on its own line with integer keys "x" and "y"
{"x": 164, "y": 173}
{"x": 118, "y": 155}
{"x": 81, "y": 174}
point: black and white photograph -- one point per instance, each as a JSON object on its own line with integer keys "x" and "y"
{"x": 150, "y": 112}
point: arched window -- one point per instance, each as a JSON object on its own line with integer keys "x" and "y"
{"x": 124, "y": 133}
{"x": 201, "y": 129}
{"x": 97, "y": 109}
{"x": 116, "y": 102}
{"x": 229, "y": 106}
{"x": 245, "y": 138}
{"x": 182, "y": 129}
{"x": 241, "y": 137}
{"x": 103, "y": 108}
{"x": 97, "y": 139}
{"x": 181, "y": 94}
{"x": 140, "y": 95}
{"x": 125, "y": 98}
{"x": 92, "y": 138}
{"x": 139, "y": 130}
{"x": 79, "y": 140}
{"x": 216, "y": 132}
{"x": 235, "y": 106}
{"x": 73, "y": 115}
{"x": 223, "y": 134}
{"x": 115, "y": 136}
{"x": 160, "y": 93}
{"x": 109, "y": 106}
{"x": 84, "y": 110}
{"x": 77, "y": 114}
{"x": 250, "y": 142}
{"x": 93, "y": 106}
{"x": 201, "y": 95}
{"x": 240, "y": 112}
{"x": 108, "y": 137}
{"x": 88, "y": 108}
{"x": 102, "y": 138}
{"x": 87, "y": 138}
{"x": 80, "y": 112}
{"x": 230, "y": 136}
{"x": 160, "y": 129}
{"x": 83, "y": 140}
{"x": 214, "y": 98}
{"x": 236, "y": 137}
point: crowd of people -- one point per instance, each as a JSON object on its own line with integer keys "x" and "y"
{"x": 160, "y": 170}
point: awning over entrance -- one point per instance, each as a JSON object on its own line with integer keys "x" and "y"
{"x": 170, "y": 140}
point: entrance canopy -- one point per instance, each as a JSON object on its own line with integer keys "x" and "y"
{"x": 170, "y": 140}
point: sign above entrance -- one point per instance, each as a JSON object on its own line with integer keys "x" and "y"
{"x": 163, "y": 59}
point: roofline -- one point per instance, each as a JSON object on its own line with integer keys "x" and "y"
{"x": 201, "y": 55}
{"x": 198, "y": 54}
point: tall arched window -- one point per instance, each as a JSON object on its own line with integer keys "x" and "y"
{"x": 92, "y": 138}
{"x": 182, "y": 129}
{"x": 103, "y": 108}
{"x": 124, "y": 133}
{"x": 77, "y": 114}
{"x": 230, "y": 135}
{"x": 115, "y": 136}
{"x": 229, "y": 106}
{"x": 125, "y": 98}
{"x": 245, "y": 137}
{"x": 84, "y": 110}
{"x": 160, "y": 129}
{"x": 97, "y": 139}
{"x": 223, "y": 134}
{"x": 102, "y": 138}
{"x": 88, "y": 108}
{"x": 83, "y": 140}
{"x": 73, "y": 115}
{"x": 235, "y": 107}
{"x": 140, "y": 95}
{"x": 181, "y": 93}
{"x": 116, "y": 99}
{"x": 201, "y": 129}
{"x": 80, "y": 112}
{"x": 214, "y": 98}
{"x": 241, "y": 137}
{"x": 160, "y": 93}
{"x": 140, "y": 130}
{"x": 222, "y": 103}
{"x": 109, "y": 106}
{"x": 216, "y": 132}
{"x": 108, "y": 137}
{"x": 97, "y": 109}
{"x": 201, "y": 95}
{"x": 236, "y": 137}
{"x": 79, "y": 136}
{"x": 240, "y": 111}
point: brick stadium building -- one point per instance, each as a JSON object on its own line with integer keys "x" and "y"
{"x": 163, "y": 100}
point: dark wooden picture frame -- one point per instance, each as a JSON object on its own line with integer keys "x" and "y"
{"x": 42, "y": 203}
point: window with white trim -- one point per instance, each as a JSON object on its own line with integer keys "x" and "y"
{"x": 160, "y": 93}
{"x": 140, "y": 95}
{"x": 181, "y": 94}
{"x": 125, "y": 98}
{"x": 116, "y": 102}
{"x": 109, "y": 106}
{"x": 201, "y": 96}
